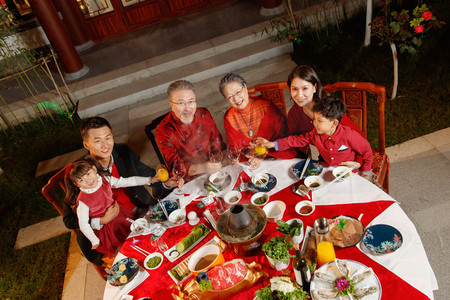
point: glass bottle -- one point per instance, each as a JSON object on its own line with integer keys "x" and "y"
{"x": 301, "y": 271}
{"x": 325, "y": 249}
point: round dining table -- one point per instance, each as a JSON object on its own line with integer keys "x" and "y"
{"x": 403, "y": 274}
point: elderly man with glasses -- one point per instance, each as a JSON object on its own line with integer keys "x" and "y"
{"x": 189, "y": 132}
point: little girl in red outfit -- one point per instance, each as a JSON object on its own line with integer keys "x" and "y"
{"x": 89, "y": 194}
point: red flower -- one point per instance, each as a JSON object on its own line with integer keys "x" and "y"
{"x": 419, "y": 29}
{"x": 290, "y": 37}
{"x": 427, "y": 15}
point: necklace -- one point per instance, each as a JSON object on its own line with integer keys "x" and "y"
{"x": 250, "y": 131}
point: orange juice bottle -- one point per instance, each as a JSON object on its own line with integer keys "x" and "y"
{"x": 325, "y": 249}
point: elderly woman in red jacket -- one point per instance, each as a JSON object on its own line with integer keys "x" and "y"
{"x": 249, "y": 117}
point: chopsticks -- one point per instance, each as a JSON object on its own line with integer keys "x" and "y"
{"x": 163, "y": 208}
{"x": 305, "y": 167}
{"x": 140, "y": 250}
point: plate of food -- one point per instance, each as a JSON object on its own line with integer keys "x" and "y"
{"x": 197, "y": 234}
{"x": 262, "y": 182}
{"x": 343, "y": 277}
{"x": 123, "y": 271}
{"x": 345, "y": 231}
{"x": 217, "y": 182}
{"x": 314, "y": 168}
{"x": 284, "y": 284}
{"x": 382, "y": 239}
{"x": 157, "y": 214}
{"x": 181, "y": 272}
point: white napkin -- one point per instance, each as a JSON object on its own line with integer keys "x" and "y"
{"x": 353, "y": 190}
{"x": 410, "y": 261}
{"x": 116, "y": 292}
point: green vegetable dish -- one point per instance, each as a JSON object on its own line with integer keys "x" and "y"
{"x": 291, "y": 230}
{"x": 291, "y": 290}
{"x": 278, "y": 249}
{"x": 154, "y": 262}
{"x": 260, "y": 200}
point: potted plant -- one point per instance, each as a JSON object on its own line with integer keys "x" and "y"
{"x": 277, "y": 252}
{"x": 287, "y": 27}
{"x": 404, "y": 29}
{"x": 292, "y": 228}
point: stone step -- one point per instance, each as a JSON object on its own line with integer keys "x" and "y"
{"x": 145, "y": 87}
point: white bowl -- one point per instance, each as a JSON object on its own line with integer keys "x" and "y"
{"x": 231, "y": 197}
{"x": 339, "y": 170}
{"x": 178, "y": 216}
{"x": 313, "y": 182}
{"x": 274, "y": 210}
{"x": 297, "y": 239}
{"x": 301, "y": 204}
{"x": 260, "y": 179}
{"x": 139, "y": 225}
{"x": 260, "y": 195}
{"x": 218, "y": 178}
{"x": 150, "y": 256}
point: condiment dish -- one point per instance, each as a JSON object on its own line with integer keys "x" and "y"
{"x": 305, "y": 208}
{"x": 178, "y": 216}
{"x": 232, "y": 197}
{"x": 260, "y": 199}
{"x": 313, "y": 182}
{"x": 152, "y": 255}
{"x": 339, "y": 170}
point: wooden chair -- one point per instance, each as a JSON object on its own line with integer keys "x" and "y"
{"x": 273, "y": 92}
{"x": 49, "y": 192}
{"x": 149, "y": 132}
{"x": 355, "y": 95}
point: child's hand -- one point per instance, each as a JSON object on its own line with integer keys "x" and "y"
{"x": 350, "y": 164}
{"x": 95, "y": 246}
{"x": 364, "y": 174}
{"x": 153, "y": 179}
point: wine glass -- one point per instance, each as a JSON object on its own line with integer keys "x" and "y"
{"x": 215, "y": 155}
{"x": 233, "y": 154}
{"x": 178, "y": 171}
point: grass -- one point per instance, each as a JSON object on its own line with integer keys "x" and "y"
{"x": 34, "y": 272}
{"x": 422, "y": 107}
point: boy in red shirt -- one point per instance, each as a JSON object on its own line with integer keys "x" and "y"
{"x": 337, "y": 144}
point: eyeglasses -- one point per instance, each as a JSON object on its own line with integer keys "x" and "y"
{"x": 238, "y": 93}
{"x": 184, "y": 103}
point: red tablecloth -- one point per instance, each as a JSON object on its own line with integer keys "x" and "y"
{"x": 157, "y": 285}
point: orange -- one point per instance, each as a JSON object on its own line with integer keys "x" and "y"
{"x": 163, "y": 175}
{"x": 260, "y": 150}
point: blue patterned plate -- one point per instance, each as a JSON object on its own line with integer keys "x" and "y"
{"x": 123, "y": 271}
{"x": 314, "y": 168}
{"x": 382, "y": 238}
{"x": 157, "y": 214}
{"x": 269, "y": 186}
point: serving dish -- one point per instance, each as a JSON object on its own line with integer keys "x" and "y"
{"x": 382, "y": 239}
{"x": 172, "y": 254}
{"x": 314, "y": 168}
{"x": 123, "y": 271}
{"x": 365, "y": 280}
{"x": 345, "y": 231}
